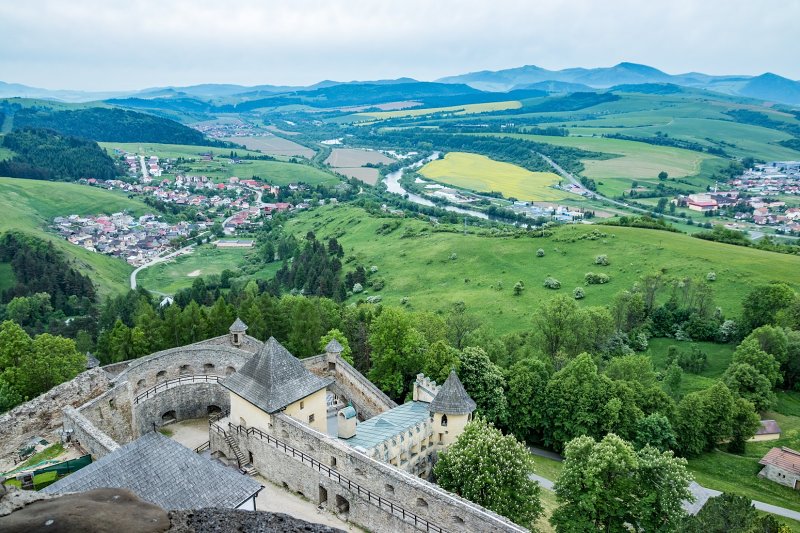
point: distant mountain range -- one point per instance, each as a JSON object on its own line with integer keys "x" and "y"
{"x": 769, "y": 87}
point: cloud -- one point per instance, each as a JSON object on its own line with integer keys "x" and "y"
{"x": 97, "y": 44}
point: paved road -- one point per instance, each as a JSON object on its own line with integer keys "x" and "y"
{"x": 700, "y": 493}
{"x": 591, "y": 194}
{"x": 144, "y": 166}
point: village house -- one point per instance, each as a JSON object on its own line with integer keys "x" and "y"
{"x": 782, "y": 465}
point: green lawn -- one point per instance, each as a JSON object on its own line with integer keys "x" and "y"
{"x": 206, "y": 260}
{"x": 30, "y": 206}
{"x": 414, "y": 261}
{"x": 719, "y": 357}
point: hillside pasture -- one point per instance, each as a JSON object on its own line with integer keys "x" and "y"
{"x": 413, "y": 257}
{"x": 482, "y": 174}
{"x": 31, "y": 205}
{"x": 273, "y": 145}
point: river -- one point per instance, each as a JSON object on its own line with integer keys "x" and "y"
{"x": 393, "y": 186}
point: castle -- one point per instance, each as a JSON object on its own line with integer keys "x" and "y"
{"x": 316, "y": 426}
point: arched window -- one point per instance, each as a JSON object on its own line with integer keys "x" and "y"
{"x": 444, "y": 420}
{"x": 161, "y": 374}
{"x": 230, "y": 370}
{"x": 185, "y": 370}
{"x": 208, "y": 368}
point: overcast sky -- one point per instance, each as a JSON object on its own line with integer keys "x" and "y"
{"x": 132, "y": 44}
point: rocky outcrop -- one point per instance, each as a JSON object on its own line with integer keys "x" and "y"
{"x": 118, "y": 510}
{"x": 42, "y": 415}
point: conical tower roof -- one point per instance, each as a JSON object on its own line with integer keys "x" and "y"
{"x": 238, "y": 326}
{"x": 334, "y": 347}
{"x": 273, "y": 378}
{"x": 452, "y": 399}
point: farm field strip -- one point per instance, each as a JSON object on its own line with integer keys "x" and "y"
{"x": 465, "y": 109}
{"x": 482, "y": 174}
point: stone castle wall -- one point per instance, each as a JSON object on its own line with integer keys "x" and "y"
{"x": 351, "y": 385}
{"x": 111, "y": 412}
{"x": 413, "y": 494}
{"x": 187, "y": 401}
{"x": 84, "y": 433}
{"x": 42, "y": 416}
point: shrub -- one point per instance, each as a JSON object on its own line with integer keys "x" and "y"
{"x": 596, "y": 279}
{"x": 579, "y": 293}
{"x": 377, "y": 284}
{"x": 711, "y": 276}
{"x": 374, "y": 299}
{"x": 638, "y": 342}
{"x": 540, "y": 252}
{"x": 453, "y": 256}
{"x": 551, "y": 283}
{"x": 373, "y": 269}
{"x": 728, "y": 331}
{"x": 518, "y": 288}
{"x": 358, "y": 288}
{"x": 602, "y": 260}
{"x": 693, "y": 361}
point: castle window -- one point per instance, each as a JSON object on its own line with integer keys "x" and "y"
{"x": 208, "y": 368}
{"x": 302, "y": 403}
{"x": 230, "y": 370}
{"x": 141, "y": 383}
{"x": 444, "y": 421}
{"x": 389, "y": 488}
{"x": 185, "y": 370}
{"x": 422, "y": 503}
{"x": 458, "y": 520}
{"x": 161, "y": 374}
{"x": 311, "y": 418}
{"x": 333, "y": 461}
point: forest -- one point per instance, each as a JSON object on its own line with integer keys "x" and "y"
{"x": 47, "y": 155}
{"x": 110, "y": 124}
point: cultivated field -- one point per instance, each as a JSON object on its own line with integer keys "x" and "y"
{"x": 481, "y": 174}
{"x": 457, "y": 109}
{"x": 350, "y": 162}
{"x": 31, "y": 205}
{"x": 414, "y": 261}
{"x": 356, "y": 157}
{"x": 273, "y": 145}
{"x": 186, "y": 151}
{"x": 366, "y": 174}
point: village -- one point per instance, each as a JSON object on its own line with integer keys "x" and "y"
{"x": 236, "y": 205}
{"x": 759, "y": 196}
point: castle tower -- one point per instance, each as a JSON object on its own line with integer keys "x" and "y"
{"x": 237, "y": 330}
{"x": 451, "y": 409}
{"x": 332, "y": 350}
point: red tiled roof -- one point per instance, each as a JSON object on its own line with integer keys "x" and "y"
{"x": 783, "y": 458}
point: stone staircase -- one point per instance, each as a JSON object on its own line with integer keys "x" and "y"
{"x": 244, "y": 464}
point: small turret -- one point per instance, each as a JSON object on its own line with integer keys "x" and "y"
{"x": 346, "y": 421}
{"x": 425, "y": 389}
{"x": 332, "y": 351}
{"x": 237, "y": 330}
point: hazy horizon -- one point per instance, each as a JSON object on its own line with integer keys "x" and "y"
{"x": 85, "y": 45}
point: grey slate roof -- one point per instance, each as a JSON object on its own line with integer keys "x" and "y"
{"x": 452, "y": 399}
{"x": 768, "y": 427}
{"x": 333, "y": 347}
{"x": 273, "y": 378}
{"x": 238, "y": 326}
{"x": 164, "y": 472}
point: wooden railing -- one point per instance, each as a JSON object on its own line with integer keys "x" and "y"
{"x": 382, "y": 503}
{"x": 165, "y": 385}
{"x": 203, "y": 447}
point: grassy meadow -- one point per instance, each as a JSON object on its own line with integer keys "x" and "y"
{"x": 30, "y": 206}
{"x": 206, "y": 260}
{"x": 222, "y": 168}
{"x": 413, "y": 256}
{"x": 632, "y": 161}
{"x": 481, "y": 174}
